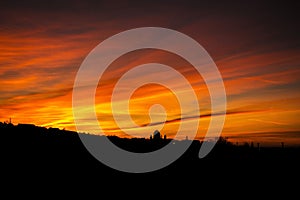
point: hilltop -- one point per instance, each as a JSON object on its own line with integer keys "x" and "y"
{"x": 29, "y": 147}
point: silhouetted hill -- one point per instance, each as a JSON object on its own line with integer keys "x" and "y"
{"x": 30, "y": 151}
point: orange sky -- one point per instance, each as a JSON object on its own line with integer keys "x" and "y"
{"x": 42, "y": 47}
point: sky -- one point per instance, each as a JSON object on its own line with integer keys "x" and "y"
{"x": 255, "y": 45}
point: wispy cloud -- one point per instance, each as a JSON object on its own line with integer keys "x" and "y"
{"x": 42, "y": 47}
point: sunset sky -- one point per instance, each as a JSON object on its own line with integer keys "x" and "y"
{"x": 255, "y": 45}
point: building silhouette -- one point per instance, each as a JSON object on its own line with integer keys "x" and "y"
{"x": 156, "y": 135}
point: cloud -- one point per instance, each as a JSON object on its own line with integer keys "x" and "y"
{"x": 43, "y": 44}
{"x": 192, "y": 117}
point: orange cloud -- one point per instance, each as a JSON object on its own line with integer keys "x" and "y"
{"x": 40, "y": 53}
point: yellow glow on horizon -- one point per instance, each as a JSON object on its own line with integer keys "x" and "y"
{"x": 261, "y": 97}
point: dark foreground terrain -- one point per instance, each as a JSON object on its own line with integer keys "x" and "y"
{"x": 39, "y": 154}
